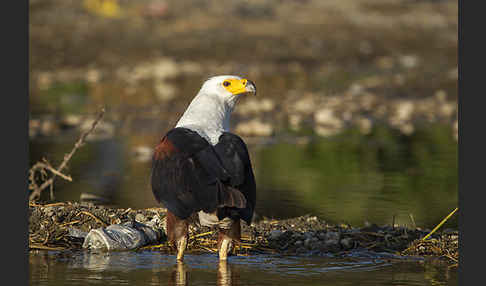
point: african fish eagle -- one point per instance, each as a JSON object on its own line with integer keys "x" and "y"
{"x": 202, "y": 170}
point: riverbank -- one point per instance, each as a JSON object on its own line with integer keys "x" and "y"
{"x": 64, "y": 225}
{"x": 320, "y": 67}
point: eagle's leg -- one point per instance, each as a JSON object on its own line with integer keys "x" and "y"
{"x": 177, "y": 233}
{"x": 227, "y": 239}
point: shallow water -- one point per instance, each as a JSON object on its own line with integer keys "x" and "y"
{"x": 153, "y": 268}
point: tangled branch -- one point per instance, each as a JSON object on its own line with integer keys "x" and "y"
{"x": 41, "y": 167}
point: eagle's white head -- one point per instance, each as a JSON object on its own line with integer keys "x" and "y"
{"x": 209, "y": 112}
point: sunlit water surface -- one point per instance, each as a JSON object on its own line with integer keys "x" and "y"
{"x": 153, "y": 268}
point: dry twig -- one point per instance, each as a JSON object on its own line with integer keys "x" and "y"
{"x": 44, "y": 247}
{"x": 42, "y": 166}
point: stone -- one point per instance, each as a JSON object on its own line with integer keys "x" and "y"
{"x": 308, "y": 235}
{"x": 165, "y": 68}
{"x": 364, "y": 125}
{"x": 295, "y": 121}
{"x": 347, "y": 243}
{"x": 163, "y": 90}
{"x": 332, "y": 235}
{"x": 326, "y": 116}
{"x": 296, "y": 236}
{"x": 71, "y": 120}
{"x": 447, "y": 109}
{"x": 254, "y": 106}
{"x": 409, "y": 61}
{"x": 403, "y": 110}
{"x": 93, "y": 76}
{"x": 307, "y": 242}
{"x": 407, "y": 128}
{"x": 34, "y": 126}
{"x": 301, "y": 250}
{"x": 247, "y": 107}
{"x": 332, "y": 245}
{"x": 254, "y": 127}
{"x": 327, "y": 123}
{"x": 275, "y": 234}
{"x": 47, "y": 127}
{"x": 355, "y": 89}
{"x": 267, "y": 105}
{"x": 305, "y": 105}
{"x": 44, "y": 80}
{"x": 143, "y": 153}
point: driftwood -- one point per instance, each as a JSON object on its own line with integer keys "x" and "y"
{"x": 43, "y": 167}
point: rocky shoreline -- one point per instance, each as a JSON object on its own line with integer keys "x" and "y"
{"x": 309, "y": 112}
{"x": 64, "y": 226}
{"x": 361, "y": 102}
{"x": 320, "y": 67}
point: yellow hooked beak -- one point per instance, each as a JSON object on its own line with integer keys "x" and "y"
{"x": 239, "y": 86}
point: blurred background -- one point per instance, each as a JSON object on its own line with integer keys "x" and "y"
{"x": 355, "y": 120}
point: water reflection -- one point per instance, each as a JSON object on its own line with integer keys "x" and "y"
{"x": 94, "y": 261}
{"x": 104, "y": 172}
{"x": 153, "y": 268}
{"x": 226, "y": 275}
{"x": 353, "y": 178}
{"x": 178, "y": 276}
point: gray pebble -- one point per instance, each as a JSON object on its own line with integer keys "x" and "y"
{"x": 301, "y": 250}
{"x": 347, "y": 243}
{"x": 332, "y": 235}
{"x": 321, "y": 235}
{"x": 307, "y": 242}
{"x": 308, "y": 235}
{"x": 332, "y": 245}
{"x": 296, "y": 236}
{"x": 275, "y": 234}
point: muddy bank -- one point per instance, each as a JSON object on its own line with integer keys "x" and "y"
{"x": 64, "y": 226}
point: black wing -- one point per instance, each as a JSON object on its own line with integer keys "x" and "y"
{"x": 188, "y": 175}
{"x": 234, "y": 156}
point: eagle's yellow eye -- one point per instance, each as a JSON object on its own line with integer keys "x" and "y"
{"x": 226, "y": 83}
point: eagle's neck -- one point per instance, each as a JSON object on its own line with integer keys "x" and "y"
{"x": 207, "y": 116}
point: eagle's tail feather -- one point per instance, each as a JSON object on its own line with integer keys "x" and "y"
{"x": 231, "y": 197}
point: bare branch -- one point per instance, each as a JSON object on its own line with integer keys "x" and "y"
{"x": 57, "y": 172}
